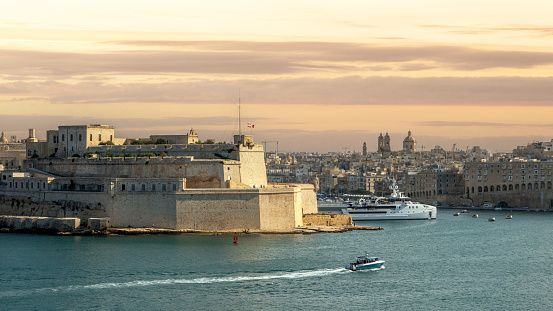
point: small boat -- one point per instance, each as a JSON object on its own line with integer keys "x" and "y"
{"x": 365, "y": 263}
{"x": 491, "y": 219}
{"x": 509, "y": 217}
{"x": 475, "y": 216}
{"x": 456, "y": 214}
{"x": 464, "y": 211}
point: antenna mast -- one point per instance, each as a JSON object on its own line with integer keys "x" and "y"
{"x": 239, "y": 116}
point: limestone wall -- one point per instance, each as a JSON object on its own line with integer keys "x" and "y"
{"x": 139, "y": 210}
{"x": 253, "y": 169}
{"x": 55, "y": 204}
{"x": 280, "y": 208}
{"x": 268, "y": 209}
{"x": 219, "y": 210}
{"x": 327, "y": 220}
{"x": 198, "y": 173}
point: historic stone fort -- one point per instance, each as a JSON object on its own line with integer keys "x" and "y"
{"x": 86, "y": 174}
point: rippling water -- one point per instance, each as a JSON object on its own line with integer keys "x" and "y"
{"x": 452, "y": 263}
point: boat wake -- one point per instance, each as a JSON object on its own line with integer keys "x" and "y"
{"x": 206, "y": 280}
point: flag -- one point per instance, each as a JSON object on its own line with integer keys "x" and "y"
{"x": 251, "y": 125}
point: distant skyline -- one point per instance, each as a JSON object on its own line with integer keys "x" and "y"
{"x": 314, "y": 75}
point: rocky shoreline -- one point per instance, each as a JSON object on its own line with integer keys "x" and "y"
{"x": 161, "y": 231}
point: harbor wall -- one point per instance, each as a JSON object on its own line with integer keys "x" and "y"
{"x": 327, "y": 220}
{"x": 200, "y": 209}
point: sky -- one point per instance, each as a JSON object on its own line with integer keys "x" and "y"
{"x": 311, "y": 75}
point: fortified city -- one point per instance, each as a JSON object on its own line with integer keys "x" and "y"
{"x": 82, "y": 175}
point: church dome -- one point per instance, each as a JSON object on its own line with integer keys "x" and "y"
{"x": 409, "y": 138}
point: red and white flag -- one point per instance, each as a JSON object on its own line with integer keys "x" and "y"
{"x": 251, "y": 125}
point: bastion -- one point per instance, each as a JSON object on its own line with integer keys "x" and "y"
{"x": 184, "y": 187}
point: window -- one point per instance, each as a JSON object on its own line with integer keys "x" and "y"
{"x": 164, "y": 187}
{"x": 71, "y": 137}
{"x": 62, "y": 137}
{"x": 153, "y": 187}
{"x": 123, "y": 187}
{"x": 133, "y": 187}
{"x": 90, "y": 137}
{"x": 110, "y": 137}
{"x": 174, "y": 187}
{"x": 143, "y": 187}
{"x": 80, "y": 137}
{"x": 100, "y": 137}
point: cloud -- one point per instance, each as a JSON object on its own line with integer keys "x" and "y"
{"x": 352, "y": 90}
{"x": 475, "y": 30}
{"x": 257, "y": 58}
{"x": 479, "y": 124}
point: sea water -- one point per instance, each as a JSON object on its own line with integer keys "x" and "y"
{"x": 452, "y": 263}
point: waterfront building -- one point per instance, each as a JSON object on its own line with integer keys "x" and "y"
{"x": 510, "y": 182}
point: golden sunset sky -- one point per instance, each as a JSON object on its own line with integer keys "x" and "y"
{"x": 313, "y": 75}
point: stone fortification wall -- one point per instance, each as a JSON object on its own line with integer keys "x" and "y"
{"x": 207, "y": 209}
{"x": 253, "y": 169}
{"x": 309, "y": 199}
{"x": 198, "y": 173}
{"x": 280, "y": 208}
{"x": 327, "y": 220}
{"x": 55, "y": 204}
{"x": 198, "y": 151}
{"x": 139, "y": 210}
{"x": 219, "y": 209}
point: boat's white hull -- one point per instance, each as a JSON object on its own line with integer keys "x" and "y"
{"x": 428, "y": 212}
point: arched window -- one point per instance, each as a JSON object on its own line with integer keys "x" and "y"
{"x": 516, "y": 187}
{"x": 504, "y": 188}
{"x": 536, "y": 186}
{"x": 492, "y": 188}
{"x": 485, "y": 188}
{"x": 523, "y": 187}
{"x": 529, "y": 186}
{"x": 548, "y": 185}
{"x": 498, "y": 188}
{"x": 542, "y": 185}
{"x": 479, "y": 189}
{"x": 510, "y": 187}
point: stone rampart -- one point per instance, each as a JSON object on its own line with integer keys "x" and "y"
{"x": 327, "y": 220}
{"x": 263, "y": 209}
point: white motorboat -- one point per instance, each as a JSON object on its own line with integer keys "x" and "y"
{"x": 397, "y": 206}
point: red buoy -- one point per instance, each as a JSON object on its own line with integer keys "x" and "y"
{"x": 235, "y": 239}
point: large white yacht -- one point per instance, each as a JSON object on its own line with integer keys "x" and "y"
{"x": 397, "y": 206}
